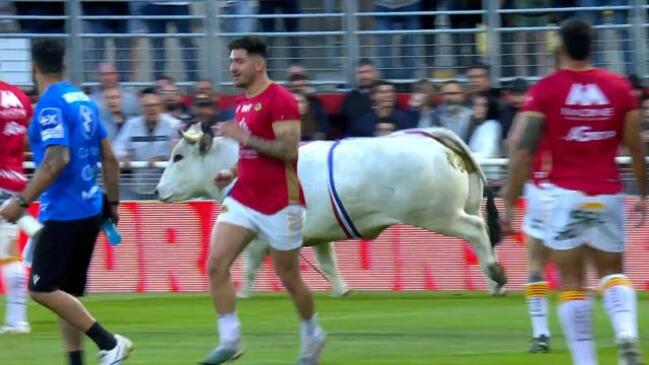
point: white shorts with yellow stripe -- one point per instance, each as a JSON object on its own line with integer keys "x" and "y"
{"x": 282, "y": 230}
{"x": 573, "y": 219}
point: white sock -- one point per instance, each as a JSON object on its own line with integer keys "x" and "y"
{"x": 575, "y": 312}
{"x": 16, "y": 311}
{"x": 229, "y": 330}
{"x": 620, "y": 303}
{"x": 310, "y": 327}
{"x": 537, "y": 305}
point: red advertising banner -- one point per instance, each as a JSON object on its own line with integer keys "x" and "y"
{"x": 165, "y": 249}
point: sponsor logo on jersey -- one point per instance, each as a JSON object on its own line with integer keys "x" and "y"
{"x": 14, "y": 129}
{"x": 75, "y": 96}
{"x": 586, "y": 134}
{"x": 586, "y": 95}
{"x": 9, "y": 100}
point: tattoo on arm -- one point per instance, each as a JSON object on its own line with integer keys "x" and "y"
{"x": 533, "y": 125}
{"x": 284, "y": 147}
{"x": 55, "y": 159}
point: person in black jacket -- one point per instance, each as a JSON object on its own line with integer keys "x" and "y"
{"x": 357, "y": 102}
{"x": 385, "y": 117}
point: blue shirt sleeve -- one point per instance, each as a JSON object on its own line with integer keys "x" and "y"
{"x": 53, "y": 124}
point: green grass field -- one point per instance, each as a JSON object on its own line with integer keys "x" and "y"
{"x": 365, "y": 328}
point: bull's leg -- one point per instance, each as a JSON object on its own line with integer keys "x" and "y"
{"x": 254, "y": 256}
{"x": 326, "y": 256}
{"x": 473, "y": 229}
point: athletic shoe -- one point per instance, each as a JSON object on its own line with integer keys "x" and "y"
{"x": 311, "y": 349}
{"x": 221, "y": 355}
{"x": 540, "y": 344}
{"x": 118, "y": 354}
{"x": 22, "y": 328}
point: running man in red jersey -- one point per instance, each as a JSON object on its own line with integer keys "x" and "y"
{"x": 584, "y": 113}
{"x": 267, "y": 199}
{"x": 15, "y": 112}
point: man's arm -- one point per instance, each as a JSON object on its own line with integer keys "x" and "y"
{"x": 55, "y": 160}
{"x": 633, "y": 141}
{"x": 285, "y": 144}
{"x": 524, "y": 142}
{"x": 109, "y": 171}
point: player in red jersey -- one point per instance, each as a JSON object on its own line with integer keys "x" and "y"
{"x": 15, "y": 112}
{"x": 584, "y": 113}
{"x": 266, "y": 200}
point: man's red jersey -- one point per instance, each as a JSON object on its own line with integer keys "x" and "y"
{"x": 584, "y": 121}
{"x": 15, "y": 112}
{"x": 264, "y": 183}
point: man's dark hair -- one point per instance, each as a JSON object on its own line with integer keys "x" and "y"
{"x": 149, "y": 91}
{"x": 479, "y": 66}
{"x": 379, "y": 83}
{"x": 577, "y": 38}
{"x": 298, "y": 77}
{"x": 253, "y": 45}
{"x": 48, "y": 55}
{"x": 451, "y": 82}
{"x": 365, "y": 62}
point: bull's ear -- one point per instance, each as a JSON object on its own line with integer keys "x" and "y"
{"x": 191, "y": 138}
{"x": 205, "y": 143}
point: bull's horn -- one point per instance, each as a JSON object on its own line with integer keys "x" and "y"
{"x": 191, "y": 138}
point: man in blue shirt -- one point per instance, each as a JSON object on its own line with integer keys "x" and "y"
{"x": 68, "y": 142}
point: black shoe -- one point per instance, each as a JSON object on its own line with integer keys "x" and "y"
{"x": 540, "y": 344}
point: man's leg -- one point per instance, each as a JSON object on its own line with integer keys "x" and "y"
{"x": 575, "y": 308}
{"x": 620, "y": 303}
{"x": 313, "y": 337}
{"x": 537, "y": 292}
{"x": 13, "y": 272}
{"x": 72, "y": 342}
{"x": 228, "y": 241}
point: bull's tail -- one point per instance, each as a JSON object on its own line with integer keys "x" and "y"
{"x": 477, "y": 181}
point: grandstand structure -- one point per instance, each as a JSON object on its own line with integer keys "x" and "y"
{"x": 328, "y": 37}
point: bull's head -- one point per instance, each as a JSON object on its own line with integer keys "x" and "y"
{"x": 194, "y": 162}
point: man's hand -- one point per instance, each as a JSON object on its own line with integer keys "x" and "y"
{"x": 232, "y": 130}
{"x": 11, "y": 210}
{"x": 223, "y": 178}
{"x": 508, "y": 217}
{"x": 640, "y": 207}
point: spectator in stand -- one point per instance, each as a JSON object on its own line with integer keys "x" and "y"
{"x": 452, "y": 113}
{"x": 384, "y": 116}
{"x": 172, "y": 100}
{"x": 517, "y": 91}
{"x": 159, "y": 26}
{"x": 239, "y": 7}
{"x": 8, "y": 10}
{"x": 315, "y": 123}
{"x": 479, "y": 77}
{"x": 357, "y": 102}
{"x": 409, "y": 42}
{"x": 204, "y": 111}
{"x": 466, "y": 50}
{"x": 205, "y": 86}
{"x": 112, "y": 112}
{"x": 529, "y": 46}
{"x": 41, "y": 8}
{"x": 638, "y": 86}
{"x": 163, "y": 80}
{"x": 149, "y": 137}
{"x": 422, "y": 104}
{"x": 295, "y": 69}
{"x": 485, "y": 134}
{"x": 108, "y": 79}
{"x": 290, "y": 23}
{"x": 96, "y": 51}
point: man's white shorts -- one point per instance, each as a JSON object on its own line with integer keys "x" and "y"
{"x": 573, "y": 219}
{"x": 8, "y": 234}
{"x": 282, "y": 230}
{"x": 533, "y": 220}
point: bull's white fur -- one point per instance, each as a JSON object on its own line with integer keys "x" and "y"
{"x": 402, "y": 178}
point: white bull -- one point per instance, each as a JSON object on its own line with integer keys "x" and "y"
{"x": 426, "y": 178}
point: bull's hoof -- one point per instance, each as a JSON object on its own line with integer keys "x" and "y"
{"x": 244, "y": 294}
{"x": 341, "y": 293}
{"x": 497, "y": 274}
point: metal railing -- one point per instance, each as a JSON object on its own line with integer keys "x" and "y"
{"x": 140, "y": 182}
{"x": 326, "y": 37}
